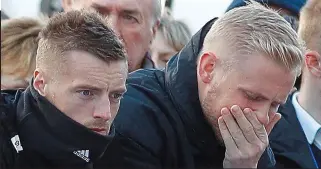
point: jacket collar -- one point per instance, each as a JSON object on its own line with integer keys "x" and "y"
{"x": 181, "y": 80}
{"x": 41, "y": 122}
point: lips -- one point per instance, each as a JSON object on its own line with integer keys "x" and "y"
{"x": 98, "y": 129}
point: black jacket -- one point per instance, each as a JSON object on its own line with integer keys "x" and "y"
{"x": 160, "y": 123}
{"x": 49, "y": 138}
{"x": 288, "y": 141}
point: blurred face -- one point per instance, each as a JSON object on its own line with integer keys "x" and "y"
{"x": 161, "y": 51}
{"x": 133, "y": 20}
{"x": 254, "y": 82}
{"x": 87, "y": 90}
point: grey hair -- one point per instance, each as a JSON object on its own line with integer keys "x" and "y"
{"x": 157, "y": 5}
{"x": 175, "y": 32}
{"x": 256, "y": 29}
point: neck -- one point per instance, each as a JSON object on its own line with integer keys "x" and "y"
{"x": 310, "y": 100}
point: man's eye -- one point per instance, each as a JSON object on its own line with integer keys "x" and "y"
{"x": 130, "y": 18}
{"x": 117, "y": 96}
{"x": 252, "y": 97}
{"x": 86, "y": 93}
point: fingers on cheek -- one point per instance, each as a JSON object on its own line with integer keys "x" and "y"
{"x": 222, "y": 124}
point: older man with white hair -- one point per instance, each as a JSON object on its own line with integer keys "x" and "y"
{"x": 136, "y": 21}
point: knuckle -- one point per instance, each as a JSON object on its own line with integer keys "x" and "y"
{"x": 248, "y": 129}
{"x": 258, "y": 149}
{"x": 236, "y": 134}
{"x": 258, "y": 127}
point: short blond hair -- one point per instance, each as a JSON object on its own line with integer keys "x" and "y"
{"x": 310, "y": 25}
{"x": 19, "y": 42}
{"x": 256, "y": 29}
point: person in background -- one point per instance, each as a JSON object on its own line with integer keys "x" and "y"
{"x": 136, "y": 21}
{"x": 296, "y": 139}
{"x": 171, "y": 37}
{"x": 215, "y": 103}
{"x": 62, "y": 119}
{"x": 18, "y": 50}
{"x": 288, "y": 9}
{"x": 4, "y": 15}
{"x": 50, "y": 7}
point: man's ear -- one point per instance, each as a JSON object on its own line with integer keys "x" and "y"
{"x": 39, "y": 82}
{"x": 206, "y": 66}
{"x": 313, "y": 63}
{"x": 67, "y": 5}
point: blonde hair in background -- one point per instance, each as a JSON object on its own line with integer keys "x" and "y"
{"x": 256, "y": 29}
{"x": 175, "y": 32}
{"x": 18, "y": 47}
{"x": 310, "y": 25}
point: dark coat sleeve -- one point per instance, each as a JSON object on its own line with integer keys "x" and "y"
{"x": 8, "y": 154}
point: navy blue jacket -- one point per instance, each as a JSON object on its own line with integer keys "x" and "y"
{"x": 288, "y": 141}
{"x": 160, "y": 123}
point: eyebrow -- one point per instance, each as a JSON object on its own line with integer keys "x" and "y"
{"x": 131, "y": 12}
{"x": 126, "y": 11}
{"x": 87, "y": 86}
{"x": 121, "y": 89}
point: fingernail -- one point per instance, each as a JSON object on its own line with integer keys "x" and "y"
{"x": 235, "y": 108}
{"x": 224, "y": 111}
{"x": 247, "y": 110}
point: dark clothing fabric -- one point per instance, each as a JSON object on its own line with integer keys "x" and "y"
{"x": 48, "y": 137}
{"x": 160, "y": 123}
{"x": 288, "y": 141}
{"x": 293, "y": 6}
{"x": 317, "y": 154}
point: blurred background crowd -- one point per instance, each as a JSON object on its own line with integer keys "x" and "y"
{"x": 22, "y": 21}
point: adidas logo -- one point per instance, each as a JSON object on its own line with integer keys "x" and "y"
{"x": 83, "y": 154}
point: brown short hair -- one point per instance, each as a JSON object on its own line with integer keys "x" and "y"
{"x": 83, "y": 30}
{"x": 18, "y": 46}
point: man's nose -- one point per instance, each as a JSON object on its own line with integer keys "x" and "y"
{"x": 102, "y": 110}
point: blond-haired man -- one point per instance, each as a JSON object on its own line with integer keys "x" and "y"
{"x": 296, "y": 140}
{"x": 215, "y": 103}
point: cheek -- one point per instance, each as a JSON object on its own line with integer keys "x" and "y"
{"x": 75, "y": 108}
{"x": 79, "y": 112}
{"x": 114, "y": 109}
{"x": 235, "y": 99}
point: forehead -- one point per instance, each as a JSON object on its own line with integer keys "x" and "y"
{"x": 143, "y": 6}
{"x": 81, "y": 64}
